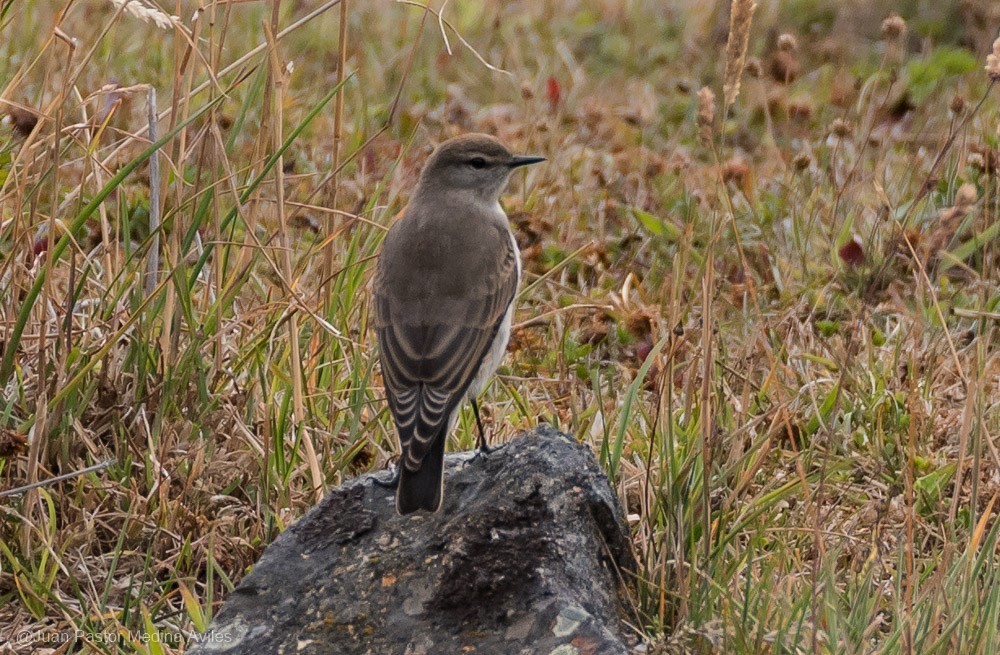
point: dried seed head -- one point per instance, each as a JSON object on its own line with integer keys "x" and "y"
{"x": 894, "y": 28}
{"x": 800, "y": 110}
{"x": 976, "y": 160}
{"x": 22, "y": 120}
{"x": 706, "y": 113}
{"x": 754, "y": 67}
{"x": 146, "y": 13}
{"x": 307, "y": 222}
{"x": 740, "y": 17}
{"x": 12, "y": 443}
{"x": 783, "y": 67}
{"x": 966, "y": 196}
{"x": 736, "y": 170}
{"x": 802, "y": 161}
{"x": 993, "y": 62}
{"x": 840, "y": 128}
{"x": 787, "y": 43}
{"x": 842, "y": 91}
{"x": 957, "y": 105}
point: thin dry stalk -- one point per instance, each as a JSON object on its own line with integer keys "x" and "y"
{"x": 445, "y": 23}
{"x": 390, "y": 119}
{"x": 93, "y": 165}
{"x": 279, "y": 76}
{"x": 153, "y": 258}
{"x": 173, "y": 249}
{"x": 740, "y": 19}
{"x": 909, "y": 479}
{"x": 238, "y": 65}
{"x": 38, "y": 448}
{"x": 706, "y": 410}
{"x": 971, "y": 394}
{"x": 196, "y": 37}
{"x": 338, "y": 136}
{"x": 16, "y": 491}
{"x": 215, "y": 52}
{"x": 959, "y": 369}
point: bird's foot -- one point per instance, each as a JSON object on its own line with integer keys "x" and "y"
{"x": 484, "y": 450}
{"x": 391, "y": 483}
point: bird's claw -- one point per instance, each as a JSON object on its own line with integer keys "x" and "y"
{"x": 391, "y": 483}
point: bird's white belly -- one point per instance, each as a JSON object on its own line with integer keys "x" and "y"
{"x": 499, "y": 347}
{"x": 492, "y": 360}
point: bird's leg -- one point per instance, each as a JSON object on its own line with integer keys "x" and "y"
{"x": 484, "y": 447}
{"x": 391, "y": 483}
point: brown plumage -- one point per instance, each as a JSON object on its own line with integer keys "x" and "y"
{"x": 444, "y": 289}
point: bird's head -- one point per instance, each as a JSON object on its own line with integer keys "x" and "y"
{"x": 472, "y": 162}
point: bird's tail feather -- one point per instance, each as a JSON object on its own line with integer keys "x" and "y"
{"x": 421, "y": 489}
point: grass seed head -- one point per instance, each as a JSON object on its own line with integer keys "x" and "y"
{"x": 784, "y": 67}
{"x": 788, "y": 43}
{"x": 706, "y": 113}
{"x": 993, "y": 62}
{"x": 146, "y": 13}
{"x": 740, "y": 19}
{"x": 894, "y": 28}
{"x": 802, "y": 161}
{"x": 840, "y": 128}
{"x": 957, "y": 105}
{"x": 23, "y": 121}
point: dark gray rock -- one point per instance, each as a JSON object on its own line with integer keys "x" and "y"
{"x": 529, "y": 555}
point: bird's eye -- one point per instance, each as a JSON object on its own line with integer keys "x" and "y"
{"x": 477, "y": 163}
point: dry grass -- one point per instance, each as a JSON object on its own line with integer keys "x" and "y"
{"x": 777, "y": 326}
{"x": 740, "y": 20}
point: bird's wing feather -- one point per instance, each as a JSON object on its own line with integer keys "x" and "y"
{"x": 429, "y": 360}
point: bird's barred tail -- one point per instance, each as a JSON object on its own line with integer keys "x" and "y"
{"x": 421, "y": 489}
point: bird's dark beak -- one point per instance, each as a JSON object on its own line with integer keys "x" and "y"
{"x": 524, "y": 161}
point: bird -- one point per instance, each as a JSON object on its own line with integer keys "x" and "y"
{"x": 444, "y": 287}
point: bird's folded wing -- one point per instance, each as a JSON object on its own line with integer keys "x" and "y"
{"x": 429, "y": 363}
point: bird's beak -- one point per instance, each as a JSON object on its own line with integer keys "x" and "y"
{"x": 524, "y": 161}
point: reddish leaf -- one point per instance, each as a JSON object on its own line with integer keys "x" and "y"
{"x": 40, "y": 244}
{"x": 853, "y": 252}
{"x": 553, "y": 90}
{"x": 642, "y": 350}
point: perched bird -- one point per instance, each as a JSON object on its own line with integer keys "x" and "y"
{"x": 443, "y": 299}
